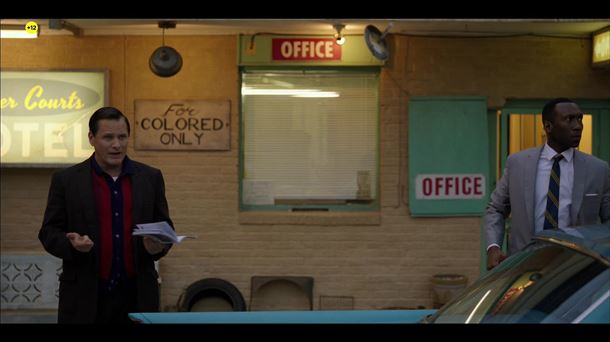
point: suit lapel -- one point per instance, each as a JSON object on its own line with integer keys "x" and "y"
{"x": 87, "y": 198}
{"x": 578, "y": 187}
{"x": 136, "y": 196}
{"x": 529, "y": 184}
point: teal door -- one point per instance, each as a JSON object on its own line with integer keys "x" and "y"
{"x": 448, "y": 156}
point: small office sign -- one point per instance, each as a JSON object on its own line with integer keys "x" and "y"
{"x": 449, "y": 186}
{"x": 299, "y": 49}
{"x": 319, "y": 50}
{"x": 448, "y": 156}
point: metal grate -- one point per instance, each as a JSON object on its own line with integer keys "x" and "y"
{"x": 30, "y": 282}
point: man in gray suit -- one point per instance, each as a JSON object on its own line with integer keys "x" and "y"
{"x": 582, "y": 185}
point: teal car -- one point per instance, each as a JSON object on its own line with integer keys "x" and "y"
{"x": 563, "y": 276}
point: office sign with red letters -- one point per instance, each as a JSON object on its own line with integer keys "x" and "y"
{"x": 449, "y": 186}
{"x": 299, "y": 49}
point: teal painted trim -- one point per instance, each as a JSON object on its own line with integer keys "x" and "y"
{"x": 492, "y": 121}
{"x": 241, "y": 144}
{"x": 503, "y": 140}
{"x": 285, "y": 317}
{"x": 376, "y": 205}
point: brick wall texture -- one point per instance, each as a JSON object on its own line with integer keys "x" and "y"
{"x": 386, "y": 262}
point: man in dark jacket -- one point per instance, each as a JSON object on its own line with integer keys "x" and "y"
{"x": 91, "y": 210}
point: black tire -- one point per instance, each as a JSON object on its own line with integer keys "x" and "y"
{"x": 211, "y": 287}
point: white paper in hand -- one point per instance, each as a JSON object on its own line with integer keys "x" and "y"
{"x": 160, "y": 231}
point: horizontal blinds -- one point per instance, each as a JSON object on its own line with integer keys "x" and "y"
{"x": 309, "y": 136}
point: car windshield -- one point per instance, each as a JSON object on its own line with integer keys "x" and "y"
{"x": 543, "y": 283}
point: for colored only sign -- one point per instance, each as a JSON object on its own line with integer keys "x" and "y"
{"x": 182, "y": 125}
{"x": 305, "y": 49}
{"x": 449, "y": 186}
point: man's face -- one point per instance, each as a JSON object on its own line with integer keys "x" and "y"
{"x": 110, "y": 143}
{"x": 566, "y": 128}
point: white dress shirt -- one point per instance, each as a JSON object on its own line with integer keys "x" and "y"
{"x": 566, "y": 181}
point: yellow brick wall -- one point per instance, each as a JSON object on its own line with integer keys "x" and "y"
{"x": 383, "y": 264}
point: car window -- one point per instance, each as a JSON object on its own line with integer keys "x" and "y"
{"x": 547, "y": 282}
{"x": 587, "y": 298}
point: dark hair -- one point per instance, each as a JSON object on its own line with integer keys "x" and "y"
{"x": 106, "y": 113}
{"x": 549, "y": 108}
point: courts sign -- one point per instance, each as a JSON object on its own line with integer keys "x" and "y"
{"x": 45, "y": 115}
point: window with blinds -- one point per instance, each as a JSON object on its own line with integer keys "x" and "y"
{"x": 310, "y": 138}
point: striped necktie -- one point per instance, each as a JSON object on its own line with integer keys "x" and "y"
{"x": 552, "y": 197}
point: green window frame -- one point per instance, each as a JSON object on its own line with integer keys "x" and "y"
{"x": 309, "y": 139}
{"x": 599, "y": 110}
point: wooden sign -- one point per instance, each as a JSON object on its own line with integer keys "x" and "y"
{"x": 182, "y": 125}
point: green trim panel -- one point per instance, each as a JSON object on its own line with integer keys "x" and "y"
{"x": 448, "y": 156}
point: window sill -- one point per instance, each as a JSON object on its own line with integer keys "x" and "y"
{"x": 312, "y": 218}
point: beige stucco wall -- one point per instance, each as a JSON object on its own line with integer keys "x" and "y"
{"x": 382, "y": 261}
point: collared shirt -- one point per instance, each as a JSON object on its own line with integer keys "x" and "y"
{"x": 566, "y": 182}
{"x": 113, "y": 198}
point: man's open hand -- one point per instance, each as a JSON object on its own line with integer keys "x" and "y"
{"x": 80, "y": 243}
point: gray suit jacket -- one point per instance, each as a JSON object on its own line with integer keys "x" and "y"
{"x": 514, "y": 194}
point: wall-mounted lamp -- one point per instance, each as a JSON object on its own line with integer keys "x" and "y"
{"x": 29, "y": 30}
{"x": 339, "y": 37}
{"x": 165, "y": 61}
{"x": 60, "y": 24}
{"x": 601, "y": 48}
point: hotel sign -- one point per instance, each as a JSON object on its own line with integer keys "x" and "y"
{"x": 45, "y": 115}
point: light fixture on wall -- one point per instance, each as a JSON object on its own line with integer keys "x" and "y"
{"x": 60, "y": 24}
{"x": 339, "y": 37}
{"x": 165, "y": 61}
{"x": 375, "y": 41}
{"x": 29, "y": 30}
{"x": 601, "y": 48}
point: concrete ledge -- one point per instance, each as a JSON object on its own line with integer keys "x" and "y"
{"x": 312, "y": 218}
{"x": 28, "y": 316}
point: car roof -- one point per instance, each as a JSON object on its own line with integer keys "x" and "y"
{"x": 591, "y": 239}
